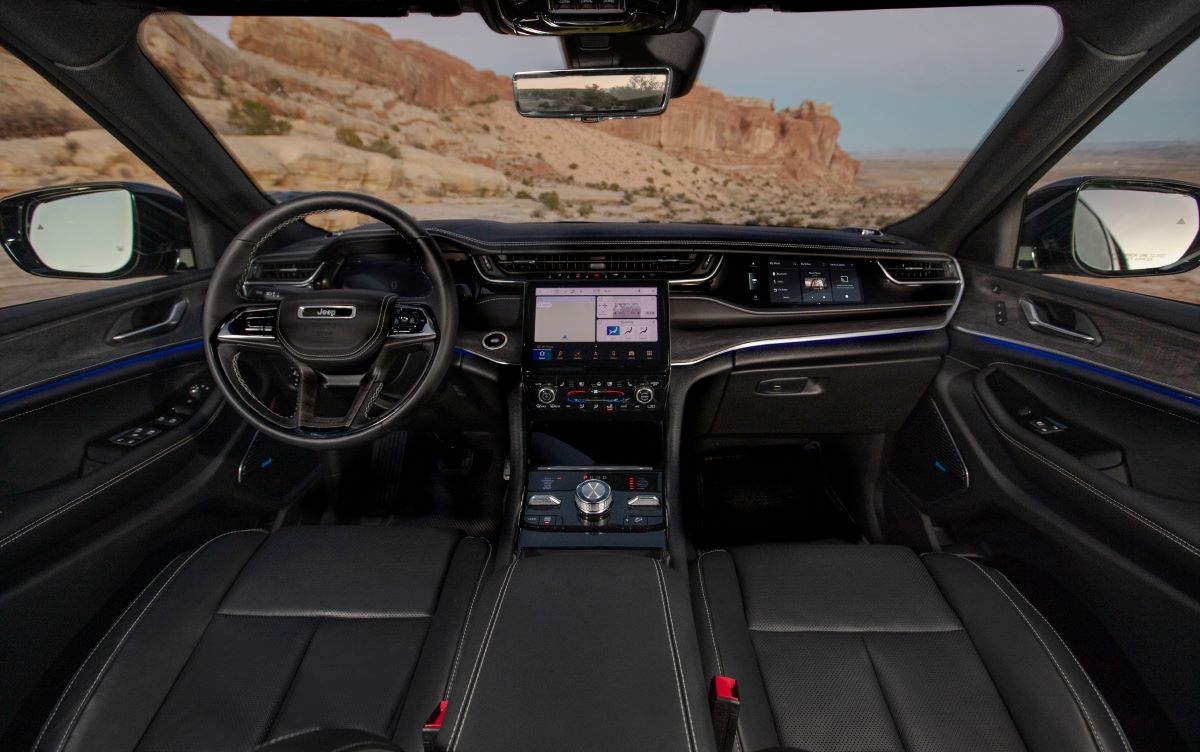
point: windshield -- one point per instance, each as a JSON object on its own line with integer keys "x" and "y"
{"x": 818, "y": 120}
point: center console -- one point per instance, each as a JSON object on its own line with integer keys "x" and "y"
{"x": 595, "y": 376}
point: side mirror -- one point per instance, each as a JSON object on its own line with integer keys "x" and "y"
{"x": 1112, "y": 227}
{"x": 96, "y": 231}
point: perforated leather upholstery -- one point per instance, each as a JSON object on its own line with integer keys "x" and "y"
{"x": 253, "y": 637}
{"x": 872, "y": 648}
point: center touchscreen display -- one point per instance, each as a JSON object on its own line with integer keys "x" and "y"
{"x": 596, "y": 325}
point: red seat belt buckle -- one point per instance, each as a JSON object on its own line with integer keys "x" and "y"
{"x": 725, "y": 703}
{"x": 433, "y": 725}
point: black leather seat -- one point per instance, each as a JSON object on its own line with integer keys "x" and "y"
{"x": 253, "y": 638}
{"x": 872, "y": 648}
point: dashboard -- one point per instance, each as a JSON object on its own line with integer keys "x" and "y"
{"x": 647, "y": 297}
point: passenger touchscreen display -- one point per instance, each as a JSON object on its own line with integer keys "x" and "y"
{"x": 813, "y": 282}
{"x": 595, "y": 324}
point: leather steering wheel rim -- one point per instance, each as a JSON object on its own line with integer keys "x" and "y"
{"x": 224, "y": 296}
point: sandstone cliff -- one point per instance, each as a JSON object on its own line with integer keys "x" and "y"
{"x": 351, "y": 108}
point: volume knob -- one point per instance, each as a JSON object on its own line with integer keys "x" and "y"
{"x": 593, "y": 498}
{"x": 546, "y": 395}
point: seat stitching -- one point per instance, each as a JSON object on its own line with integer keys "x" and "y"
{"x": 1045, "y": 648}
{"x": 29, "y": 527}
{"x": 975, "y": 649}
{"x": 291, "y": 735}
{"x": 291, "y": 685}
{"x": 708, "y": 612}
{"x": 883, "y": 693}
{"x": 121, "y": 643}
{"x": 473, "y": 680}
{"x": 1122, "y": 507}
{"x": 1095, "y": 691}
{"x": 853, "y": 630}
{"x": 37, "y": 742}
{"x": 462, "y": 637}
{"x": 680, "y": 685}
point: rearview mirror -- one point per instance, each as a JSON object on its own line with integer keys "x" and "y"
{"x": 592, "y": 94}
{"x": 96, "y": 231}
{"x": 1112, "y": 227}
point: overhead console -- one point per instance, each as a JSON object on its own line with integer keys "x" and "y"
{"x": 566, "y": 17}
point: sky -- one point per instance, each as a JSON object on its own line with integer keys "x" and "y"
{"x": 917, "y": 79}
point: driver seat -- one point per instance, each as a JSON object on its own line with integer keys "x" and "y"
{"x": 254, "y": 638}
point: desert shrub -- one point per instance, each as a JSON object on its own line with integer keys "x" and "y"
{"x": 254, "y": 119}
{"x": 550, "y": 200}
{"x": 707, "y": 221}
{"x": 383, "y": 146}
{"x": 486, "y": 100}
{"x": 573, "y": 166}
{"x": 349, "y": 137}
{"x": 585, "y": 210}
{"x": 34, "y": 119}
{"x": 537, "y": 214}
{"x": 523, "y": 194}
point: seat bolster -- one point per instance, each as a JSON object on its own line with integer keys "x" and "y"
{"x": 726, "y": 648}
{"x": 442, "y": 655}
{"x": 154, "y": 637}
{"x": 1052, "y": 701}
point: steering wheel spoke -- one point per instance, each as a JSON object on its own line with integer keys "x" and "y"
{"x": 252, "y": 326}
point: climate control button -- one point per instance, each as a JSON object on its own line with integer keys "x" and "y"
{"x": 644, "y": 395}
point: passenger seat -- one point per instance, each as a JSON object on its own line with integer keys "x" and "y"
{"x": 863, "y": 647}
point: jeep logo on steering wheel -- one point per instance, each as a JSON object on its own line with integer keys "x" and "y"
{"x": 326, "y": 312}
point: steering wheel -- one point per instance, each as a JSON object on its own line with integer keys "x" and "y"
{"x": 344, "y": 347}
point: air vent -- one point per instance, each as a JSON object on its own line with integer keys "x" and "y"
{"x": 650, "y": 265}
{"x": 284, "y": 272}
{"x": 917, "y": 272}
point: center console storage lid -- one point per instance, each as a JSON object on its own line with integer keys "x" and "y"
{"x": 581, "y": 650}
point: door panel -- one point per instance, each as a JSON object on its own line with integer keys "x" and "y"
{"x": 74, "y": 398}
{"x": 1083, "y": 461}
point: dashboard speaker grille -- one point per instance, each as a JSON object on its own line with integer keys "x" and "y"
{"x": 665, "y": 264}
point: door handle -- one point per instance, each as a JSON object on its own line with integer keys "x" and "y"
{"x": 1037, "y": 323}
{"x": 174, "y": 316}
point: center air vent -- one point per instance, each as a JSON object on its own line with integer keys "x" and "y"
{"x": 919, "y": 271}
{"x": 671, "y": 265}
{"x": 284, "y": 272}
